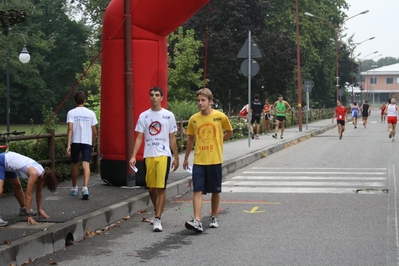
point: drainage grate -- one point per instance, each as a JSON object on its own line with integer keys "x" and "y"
{"x": 371, "y": 191}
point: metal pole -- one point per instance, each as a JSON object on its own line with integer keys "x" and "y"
{"x": 307, "y": 106}
{"x": 336, "y": 63}
{"x": 129, "y": 95}
{"x": 249, "y": 86}
{"x": 298, "y": 60}
{"x": 8, "y": 111}
{"x": 8, "y": 86}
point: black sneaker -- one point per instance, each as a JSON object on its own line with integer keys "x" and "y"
{"x": 252, "y": 135}
{"x": 390, "y": 134}
{"x": 194, "y": 225}
{"x": 274, "y": 136}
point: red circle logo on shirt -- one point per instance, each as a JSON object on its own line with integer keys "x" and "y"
{"x": 155, "y": 128}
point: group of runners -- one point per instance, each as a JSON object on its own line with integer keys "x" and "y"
{"x": 257, "y": 111}
{"x": 389, "y": 114}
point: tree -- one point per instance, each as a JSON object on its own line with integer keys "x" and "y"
{"x": 57, "y": 46}
{"x": 225, "y": 31}
{"x": 184, "y": 73}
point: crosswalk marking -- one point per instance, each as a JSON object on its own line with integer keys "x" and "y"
{"x": 307, "y": 180}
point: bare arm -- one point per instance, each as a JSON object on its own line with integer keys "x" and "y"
{"x": 32, "y": 180}
{"x": 190, "y": 144}
{"x": 173, "y": 145}
{"x": 227, "y": 134}
{"x": 93, "y": 135}
{"x": 69, "y": 138}
{"x": 287, "y": 105}
{"x": 137, "y": 144}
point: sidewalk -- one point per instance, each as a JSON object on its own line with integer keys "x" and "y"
{"x": 71, "y": 217}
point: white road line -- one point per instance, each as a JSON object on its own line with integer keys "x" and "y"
{"x": 287, "y": 190}
{"x": 316, "y": 173}
{"x": 240, "y": 177}
{"x": 303, "y": 183}
{"x": 307, "y": 180}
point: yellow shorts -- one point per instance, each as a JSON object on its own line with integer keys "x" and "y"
{"x": 157, "y": 171}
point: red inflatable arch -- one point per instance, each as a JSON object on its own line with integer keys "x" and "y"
{"x": 152, "y": 21}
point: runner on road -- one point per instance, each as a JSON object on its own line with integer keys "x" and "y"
{"x": 281, "y": 107}
{"x": 340, "y": 113}
{"x": 392, "y": 118}
{"x": 366, "y": 111}
{"x": 355, "y": 113}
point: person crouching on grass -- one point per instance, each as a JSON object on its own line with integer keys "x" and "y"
{"x": 10, "y": 164}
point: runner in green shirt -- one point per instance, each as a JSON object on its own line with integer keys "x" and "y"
{"x": 281, "y": 107}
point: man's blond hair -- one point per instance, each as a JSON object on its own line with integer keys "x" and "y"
{"x": 205, "y": 92}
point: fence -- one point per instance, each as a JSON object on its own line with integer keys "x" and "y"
{"x": 51, "y": 139}
{"x": 181, "y": 137}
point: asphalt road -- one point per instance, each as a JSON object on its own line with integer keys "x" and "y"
{"x": 323, "y": 201}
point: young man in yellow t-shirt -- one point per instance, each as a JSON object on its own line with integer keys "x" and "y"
{"x": 209, "y": 129}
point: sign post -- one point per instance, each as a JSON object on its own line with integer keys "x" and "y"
{"x": 249, "y": 68}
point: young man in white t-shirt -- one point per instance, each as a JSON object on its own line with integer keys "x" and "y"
{"x": 158, "y": 127}
{"x": 82, "y": 134}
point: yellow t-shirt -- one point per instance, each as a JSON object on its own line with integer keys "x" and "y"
{"x": 208, "y": 132}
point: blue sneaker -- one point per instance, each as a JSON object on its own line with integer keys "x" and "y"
{"x": 85, "y": 195}
{"x": 74, "y": 192}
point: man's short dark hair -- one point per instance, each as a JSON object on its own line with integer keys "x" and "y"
{"x": 158, "y": 89}
{"x": 256, "y": 96}
{"x": 79, "y": 97}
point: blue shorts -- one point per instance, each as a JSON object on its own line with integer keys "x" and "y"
{"x": 3, "y": 173}
{"x": 207, "y": 178}
{"x": 77, "y": 148}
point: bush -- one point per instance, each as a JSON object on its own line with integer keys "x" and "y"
{"x": 183, "y": 110}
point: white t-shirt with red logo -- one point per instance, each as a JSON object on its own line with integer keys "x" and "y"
{"x": 156, "y": 127}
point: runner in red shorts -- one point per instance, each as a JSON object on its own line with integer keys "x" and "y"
{"x": 392, "y": 118}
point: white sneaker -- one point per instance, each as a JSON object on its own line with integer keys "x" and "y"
{"x": 153, "y": 216}
{"x": 157, "y": 225}
{"x": 213, "y": 223}
{"x": 3, "y": 223}
{"x": 194, "y": 225}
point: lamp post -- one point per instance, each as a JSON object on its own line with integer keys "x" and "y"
{"x": 24, "y": 57}
{"x": 336, "y": 30}
{"x": 360, "y": 73}
{"x": 352, "y": 50}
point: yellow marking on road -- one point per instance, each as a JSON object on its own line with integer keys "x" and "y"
{"x": 254, "y": 210}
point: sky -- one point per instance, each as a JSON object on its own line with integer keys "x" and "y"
{"x": 381, "y": 22}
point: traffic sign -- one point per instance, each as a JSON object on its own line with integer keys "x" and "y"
{"x": 254, "y": 67}
{"x": 255, "y": 52}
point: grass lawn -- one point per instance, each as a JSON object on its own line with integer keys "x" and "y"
{"x": 28, "y": 128}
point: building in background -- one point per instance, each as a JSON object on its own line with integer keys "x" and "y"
{"x": 378, "y": 84}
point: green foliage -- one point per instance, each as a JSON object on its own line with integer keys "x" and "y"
{"x": 240, "y": 128}
{"x": 183, "y": 64}
{"x": 91, "y": 84}
{"x": 183, "y": 110}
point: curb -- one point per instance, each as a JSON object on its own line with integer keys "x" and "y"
{"x": 57, "y": 236}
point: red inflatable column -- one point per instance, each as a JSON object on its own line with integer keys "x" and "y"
{"x": 152, "y": 21}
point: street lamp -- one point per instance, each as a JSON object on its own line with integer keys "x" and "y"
{"x": 336, "y": 29}
{"x": 24, "y": 57}
{"x": 352, "y": 50}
